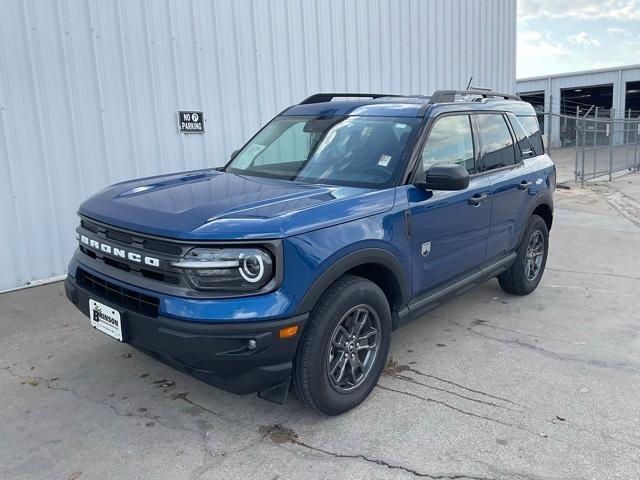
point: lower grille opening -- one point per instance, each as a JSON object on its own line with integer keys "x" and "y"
{"x": 116, "y": 264}
{"x": 161, "y": 277}
{"x": 121, "y": 296}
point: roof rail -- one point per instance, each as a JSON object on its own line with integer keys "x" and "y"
{"x": 445, "y": 96}
{"x": 477, "y": 87}
{"x": 327, "y": 97}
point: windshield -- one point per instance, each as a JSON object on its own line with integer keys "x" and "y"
{"x": 354, "y": 151}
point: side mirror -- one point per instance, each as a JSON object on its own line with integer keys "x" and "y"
{"x": 445, "y": 176}
{"x": 234, "y": 153}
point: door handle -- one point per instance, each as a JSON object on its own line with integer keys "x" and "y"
{"x": 525, "y": 184}
{"x": 478, "y": 198}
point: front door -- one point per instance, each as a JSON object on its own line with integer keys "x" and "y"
{"x": 449, "y": 229}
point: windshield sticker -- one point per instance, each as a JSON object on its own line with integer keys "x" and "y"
{"x": 401, "y": 125}
{"x": 384, "y": 160}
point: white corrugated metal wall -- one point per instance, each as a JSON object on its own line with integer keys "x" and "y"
{"x": 89, "y": 90}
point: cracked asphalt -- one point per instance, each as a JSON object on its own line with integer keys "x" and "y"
{"x": 489, "y": 386}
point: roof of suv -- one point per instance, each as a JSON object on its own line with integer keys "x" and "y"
{"x": 409, "y": 106}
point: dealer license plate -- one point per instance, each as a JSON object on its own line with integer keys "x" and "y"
{"x": 105, "y": 319}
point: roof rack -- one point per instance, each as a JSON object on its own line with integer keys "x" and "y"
{"x": 327, "y": 97}
{"x": 445, "y": 96}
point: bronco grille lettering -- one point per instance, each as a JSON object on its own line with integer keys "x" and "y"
{"x": 117, "y": 252}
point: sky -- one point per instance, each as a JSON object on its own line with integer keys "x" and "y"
{"x": 556, "y": 36}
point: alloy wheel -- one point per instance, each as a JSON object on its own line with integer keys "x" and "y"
{"x": 353, "y": 348}
{"x": 534, "y": 256}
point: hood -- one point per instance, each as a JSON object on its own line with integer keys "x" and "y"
{"x": 213, "y": 205}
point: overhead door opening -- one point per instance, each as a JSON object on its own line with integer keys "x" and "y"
{"x": 593, "y": 101}
{"x": 632, "y": 100}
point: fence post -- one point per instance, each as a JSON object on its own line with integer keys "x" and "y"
{"x": 575, "y": 170}
{"x": 550, "y": 127}
{"x": 636, "y": 163}
{"x": 610, "y": 133}
{"x": 595, "y": 142}
{"x": 584, "y": 144}
{"x": 626, "y": 130}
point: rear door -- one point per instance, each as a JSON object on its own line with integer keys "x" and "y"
{"x": 501, "y": 163}
{"x": 449, "y": 229}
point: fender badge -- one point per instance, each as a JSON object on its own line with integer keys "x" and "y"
{"x": 426, "y": 248}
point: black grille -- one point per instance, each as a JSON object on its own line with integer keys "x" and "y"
{"x": 163, "y": 247}
{"x": 119, "y": 236}
{"x": 123, "y": 297}
{"x": 89, "y": 226}
{"x": 166, "y": 251}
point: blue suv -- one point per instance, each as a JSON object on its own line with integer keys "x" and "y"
{"x": 346, "y": 216}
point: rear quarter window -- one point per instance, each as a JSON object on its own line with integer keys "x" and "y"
{"x": 531, "y": 127}
{"x": 522, "y": 137}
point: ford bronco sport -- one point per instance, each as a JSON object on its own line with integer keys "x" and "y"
{"x": 344, "y": 217}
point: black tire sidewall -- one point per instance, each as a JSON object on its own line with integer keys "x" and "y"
{"x": 325, "y": 317}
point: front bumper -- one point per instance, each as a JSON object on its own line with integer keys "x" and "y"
{"x": 216, "y": 353}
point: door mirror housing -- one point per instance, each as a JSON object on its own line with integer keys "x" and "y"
{"x": 445, "y": 176}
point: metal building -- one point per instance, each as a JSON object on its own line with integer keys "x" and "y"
{"x": 610, "y": 93}
{"x": 90, "y": 89}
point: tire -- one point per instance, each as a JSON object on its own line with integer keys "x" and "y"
{"x": 517, "y": 280}
{"x": 340, "y": 305}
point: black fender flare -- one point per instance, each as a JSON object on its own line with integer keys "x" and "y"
{"x": 361, "y": 257}
{"x": 546, "y": 199}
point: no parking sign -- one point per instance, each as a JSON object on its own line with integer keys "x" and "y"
{"x": 190, "y": 122}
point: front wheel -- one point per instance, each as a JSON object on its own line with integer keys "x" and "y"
{"x": 526, "y": 272}
{"x": 345, "y": 346}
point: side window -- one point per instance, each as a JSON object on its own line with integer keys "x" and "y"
{"x": 521, "y": 137}
{"x": 530, "y": 125}
{"x": 497, "y": 145}
{"x": 450, "y": 141}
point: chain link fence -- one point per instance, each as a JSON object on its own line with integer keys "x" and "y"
{"x": 602, "y": 145}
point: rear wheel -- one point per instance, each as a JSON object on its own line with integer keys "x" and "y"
{"x": 345, "y": 346}
{"x": 526, "y": 272}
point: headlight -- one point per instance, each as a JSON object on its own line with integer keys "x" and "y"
{"x": 227, "y": 269}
